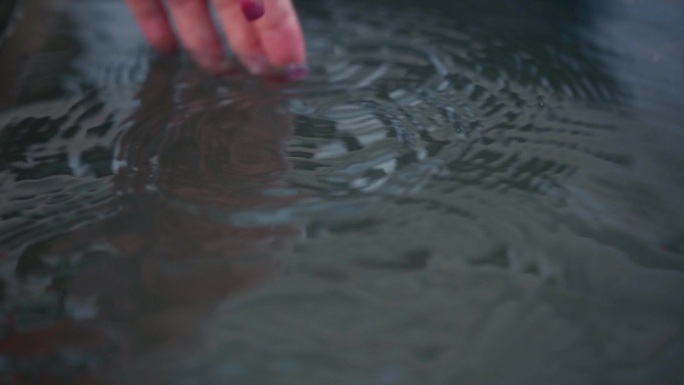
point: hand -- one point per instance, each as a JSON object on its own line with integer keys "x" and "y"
{"x": 264, "y": 34}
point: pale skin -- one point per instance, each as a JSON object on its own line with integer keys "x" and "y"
{"x": 265, "y": 35}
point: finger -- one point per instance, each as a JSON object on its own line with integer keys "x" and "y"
{"x": 197, "y": 33}
{"x": 154, "y": 24}
{"x": 281, "y": 35}
{"x": 242, "y": 36}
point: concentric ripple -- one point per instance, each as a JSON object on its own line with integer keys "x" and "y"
{"x": 389, "y": 107}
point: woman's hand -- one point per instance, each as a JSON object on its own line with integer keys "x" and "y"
{"x": 264, "y": 34}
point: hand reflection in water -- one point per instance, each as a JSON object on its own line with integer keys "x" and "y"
{"x": 190, "y": 158}
{"x": 215, "y": 156}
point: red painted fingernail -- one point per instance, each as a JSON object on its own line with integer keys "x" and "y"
{"x": 253, "y": 9}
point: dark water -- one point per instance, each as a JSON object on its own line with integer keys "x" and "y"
{"x": 461, "y": 193}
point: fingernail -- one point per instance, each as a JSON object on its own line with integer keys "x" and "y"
{"x": 253, "y": 9}
{"x": 296, "y": 72}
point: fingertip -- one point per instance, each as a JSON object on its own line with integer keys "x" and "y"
{"x": 296, "y": 72}
{"x": 256, "y": 65}
{"x": 216, "y": 65}
{"x": 285, "y": 49}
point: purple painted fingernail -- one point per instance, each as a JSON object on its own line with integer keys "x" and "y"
{"x": 296, "y": 72}
{"x": 253, "y": 9}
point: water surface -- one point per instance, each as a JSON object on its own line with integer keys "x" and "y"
{"x": 461, "y": 192}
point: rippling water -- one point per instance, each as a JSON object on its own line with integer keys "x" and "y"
{"x": 461, "y": 192}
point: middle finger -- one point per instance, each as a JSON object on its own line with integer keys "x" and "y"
{"x": 197, "y": 33}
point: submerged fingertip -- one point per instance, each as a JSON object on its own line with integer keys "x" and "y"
{"x": 252, "y": 9}
{"x": 292, "y": 72}
{"x": 256, "y": 64}
{"x": 296, "y": 72}
{"x": 168, "y": 47}
{"x": 216, "y": 65}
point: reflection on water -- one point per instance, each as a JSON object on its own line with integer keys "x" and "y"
{"x": 464, "y": 192}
